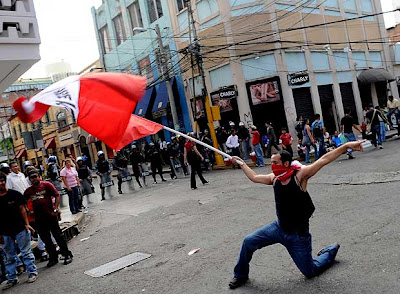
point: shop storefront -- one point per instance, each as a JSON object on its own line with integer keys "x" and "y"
{"x": 226, "y": 99}
{"x": 266, "y": 103}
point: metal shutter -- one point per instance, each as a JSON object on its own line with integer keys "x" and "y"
{"x": 346, "y": 89}
{"x": 303, "y": 103}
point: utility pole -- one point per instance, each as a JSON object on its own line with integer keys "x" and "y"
{"x": 165, "y": 74}
{"x": 199, "y": 58}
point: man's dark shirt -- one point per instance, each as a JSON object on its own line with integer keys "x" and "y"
{"x": 11, "y": 221}
{"x": 347, "y": 122}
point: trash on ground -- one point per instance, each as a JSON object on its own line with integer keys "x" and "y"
{"x": 193, "y": 251}
{"x": 84, "y": 239}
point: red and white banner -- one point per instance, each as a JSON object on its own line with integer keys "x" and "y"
{"x": 102, "y": 104}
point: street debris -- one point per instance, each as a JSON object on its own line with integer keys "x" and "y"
{"x": 84, "y": 239}
{"x": 193, "y": 251}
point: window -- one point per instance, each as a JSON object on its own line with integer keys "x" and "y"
{"x": 119, "y": 29}
{"x": 135, "y": 15}
{"x": 145, "y": 69}
{"x": 181, "y": 4}
{"x": 62, "y": 120}
{"x": 20, "y": 129}
{"x": 155, "y": 9}
{"x": 105, "y": 39}
{"x": 15, "y": 133}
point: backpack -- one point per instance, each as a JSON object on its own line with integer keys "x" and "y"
{"x": 317, "y": 132}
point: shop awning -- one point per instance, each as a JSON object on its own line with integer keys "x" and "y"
{"x": 374, "y": 75}
{"x": 50, "y": 143}
{"x": 143, "y": 104}
{"x": 20, "y": 153}
{"x": 161, "y": 101}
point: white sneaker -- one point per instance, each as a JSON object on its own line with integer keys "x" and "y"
{"x": 380, "y": 147}
{"x": 32, "y": 278}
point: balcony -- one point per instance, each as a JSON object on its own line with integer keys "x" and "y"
{"x": 19, "y": 40}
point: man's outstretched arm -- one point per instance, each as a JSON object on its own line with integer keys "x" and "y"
{"x": 251, "y": 174}
{"x": 310, "y": 170}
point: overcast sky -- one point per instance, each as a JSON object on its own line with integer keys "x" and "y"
{"x": 67, "y": 33}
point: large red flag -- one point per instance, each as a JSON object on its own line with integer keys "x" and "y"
{"x": 102, "y": 103}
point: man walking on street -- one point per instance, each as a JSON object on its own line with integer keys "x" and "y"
{"x": 372, "y": 116}
{"x": 120, "y": 163}
{"x": 244, "y": 140}
{"x": 346, "y": 128}
{"x": 103, "y": 170}
{"x": 16, "y": 232}
{"x": 317, "y": 129}
{"x": 271, "y": 139}
{"x": 257, "y": 147}
{"x": 294, "y": 208}
{"x": 46, "y": 216}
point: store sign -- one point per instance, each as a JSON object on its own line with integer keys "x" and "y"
{"x": 65, "y": 137}
{"x": 299, "y": 78}
{"x": 222, "y": 98}
{"x": 264, "y": 91}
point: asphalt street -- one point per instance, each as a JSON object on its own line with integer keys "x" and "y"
{"x": 357, "y": 204}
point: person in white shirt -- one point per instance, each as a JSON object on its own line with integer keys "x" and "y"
{"x": 233, "y": 143}
{"x": 16, "y": 179}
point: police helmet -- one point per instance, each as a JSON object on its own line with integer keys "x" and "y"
{"x": 151, "y": 144}
{"x": 52, "y": 159}
{"x": 134, "y": 146}
{"x": 79, "y": 158}
{"x": 100, "y": 153}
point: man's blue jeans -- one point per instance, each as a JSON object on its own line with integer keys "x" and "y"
{"x": 23, "y": 240}
{"x": 376, "y": 133}
{"x": 298, "y": 246}
{"x": 320, "y": 149}
{"x": 259, "y": 155}
{"x": 350, "y": 137}
{"x": 245, "y": 149}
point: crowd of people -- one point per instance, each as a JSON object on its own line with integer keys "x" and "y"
{"x": 29, "y": 208}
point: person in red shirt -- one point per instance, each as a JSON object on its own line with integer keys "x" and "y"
{"x": 193, "y": 157}
{"x": 46, "y": 216}
{"x": 255, "y": 142}
{"x": 286, "y": 141}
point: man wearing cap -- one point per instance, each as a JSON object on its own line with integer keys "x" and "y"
{"x": 255, "y": 142}
{"x": 244, "y": 138}
{"x": 41, "y": 193}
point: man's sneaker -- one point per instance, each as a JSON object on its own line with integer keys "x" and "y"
{"x": 119, "y": 191}
{"x": 380, "y": 146}
{"x": 155, "y": 182}
{"x": 52, "y": 263}
{"x": 20, "y": 270}
{"x": 349, "y": 156}
{"x": 44, "y": 258}
{"x": 164, "y": 180}
{"x": 237, "y": 282}
{"x": 32, "y": 278}
{"x": 9, "y": 284}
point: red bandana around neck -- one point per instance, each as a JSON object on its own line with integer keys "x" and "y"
{"x": 283, "y": 173}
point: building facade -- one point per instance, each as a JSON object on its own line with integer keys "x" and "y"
{"x": 19, "y": 40}
{"x": 124, "y": 49}
{"x": 287, "y": 58}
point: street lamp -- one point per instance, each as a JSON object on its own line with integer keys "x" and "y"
{"x": 164, "y": 72}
